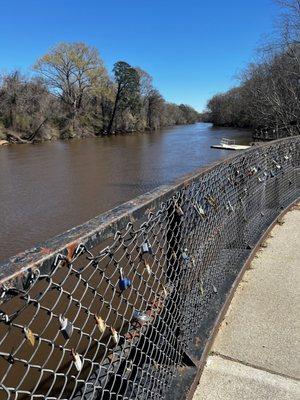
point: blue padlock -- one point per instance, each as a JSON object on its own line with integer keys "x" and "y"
{"x": 124, "y": 283}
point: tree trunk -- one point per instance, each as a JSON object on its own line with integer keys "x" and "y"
{"x": 33, "y": 135}
{"x": 112, "y": 119}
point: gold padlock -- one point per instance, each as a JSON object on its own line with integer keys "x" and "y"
{"x": 29, "y": 336}
{"x": 115, "y": 335}
{"x": 101, "y": 324}
{"x": 77, "y": 360}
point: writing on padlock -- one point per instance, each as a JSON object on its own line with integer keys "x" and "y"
{"x": 77, "y": 360}
{"x": 29, "y": 336}
{"x": 140, "y": 317}
{"x": 124, "y": 283}
{"x": 66, "y": 327}
{"x": 146, "y": 248}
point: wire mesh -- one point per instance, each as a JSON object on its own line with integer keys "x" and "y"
{"x": 115, "y": 314}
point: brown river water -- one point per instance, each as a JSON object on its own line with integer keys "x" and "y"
{"x": 50, "y": 187}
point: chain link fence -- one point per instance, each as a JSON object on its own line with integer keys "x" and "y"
{"x": 120, "y": 307}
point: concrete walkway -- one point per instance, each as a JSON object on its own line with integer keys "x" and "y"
{"x": 256, "y": 354}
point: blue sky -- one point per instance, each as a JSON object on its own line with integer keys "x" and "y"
{"x": 192, "y": 48}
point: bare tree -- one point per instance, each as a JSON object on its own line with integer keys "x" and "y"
{"x": 268, "y": 98}
{"x": 71, "y": 70}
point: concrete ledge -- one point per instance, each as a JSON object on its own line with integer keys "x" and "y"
{"x": 228, "y": 380}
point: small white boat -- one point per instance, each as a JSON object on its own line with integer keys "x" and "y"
{"x": 229, "y": 144}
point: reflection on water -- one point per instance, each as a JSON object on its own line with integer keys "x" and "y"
{"x": 48, "y": 188}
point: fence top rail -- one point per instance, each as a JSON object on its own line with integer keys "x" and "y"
{"x": 107, "y": 224}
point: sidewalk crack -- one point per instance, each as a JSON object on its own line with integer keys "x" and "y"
{"x": 247, "y": 364}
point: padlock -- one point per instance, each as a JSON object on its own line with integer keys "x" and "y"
{"x": 140, "y": 317}
{"x": 115, "y": 335}
{"x": 178, "y": 210}
{"x": 129, "y": 367}
{"x": 199, "y": 210}
{"x": 77, "y": 360}
{"x": 4, "y": 317}
{"x": 185, "y": 256}
{"x": 230, "y": 206}
{"x": 148, "y": 269}
{"x": 201, "y": 288}
{"x": 212, "y": 201}
{"x": 66, "y": 327}
{"x": 29, "y": 336}
{"x": 278, "y": 166}
{"x": 166, "y": 293}
{"x": 124, "y": 283}
{"x": 100, "y": 323}
{"x": 146, "y": 248}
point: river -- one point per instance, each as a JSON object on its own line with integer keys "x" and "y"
{"x": 50, "y": 187}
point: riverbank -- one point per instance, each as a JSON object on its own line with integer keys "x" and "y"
{"x": 17, "y": 138}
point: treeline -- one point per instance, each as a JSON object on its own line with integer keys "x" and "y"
{"x": 72, "y": 95}
{"x": 268, "y": 96}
